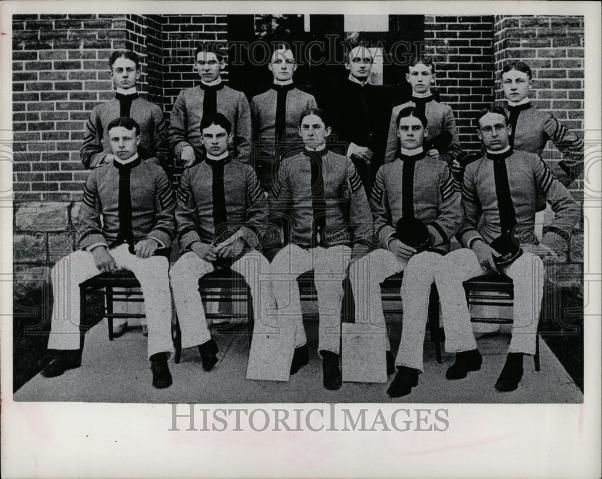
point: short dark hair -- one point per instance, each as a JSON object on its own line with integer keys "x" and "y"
{"x": 318, "y": 112}
{"x": 517, "y": 65}
{"x": 130, "y": 55}
{"x": 216, "y": 119}
{"x": 411, "y": 111}
{"x": 350, "y": 46}
{"x": 491, "y": 109}
{"x": 425, "y": 60}
{"x": 125, "y": 122}
{"x": 219, "y": 49}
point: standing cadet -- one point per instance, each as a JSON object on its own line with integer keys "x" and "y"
{"x": 126, "y": 222}
{"x": 276, "y": 114}
{"x": 499, "y": 195}
{"x": 440, "y": 117}
{"x": 221, "y": 213}
{"x": 416, "y": 211}
{"x": 210, "y": 96}
{"x": 360, "y": 115}
{"x": 96, "y": 148}
{"x": 322, "y": 195}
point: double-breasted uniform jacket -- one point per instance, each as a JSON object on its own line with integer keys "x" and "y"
{"x": 427, "y": 187}
{"x": 153, "y": 129}
{"x": 187, "y": 113}
{"x": 320, "y": 197}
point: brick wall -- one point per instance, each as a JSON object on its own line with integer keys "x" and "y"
{"x": 463, "y": 52}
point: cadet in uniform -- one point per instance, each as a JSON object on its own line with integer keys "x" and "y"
{"x": 276, "y": 114}
{"x": 221, "y": 213}
{"x": 96, "y": 148}
{"x": 210, "y": 96}
{"x": 440, "y": 117}
{"x": 499, "y": 195}
{"x": 126, "y": 222}
{"x": 417, "y": 190}
{"x": 321, "y": 194}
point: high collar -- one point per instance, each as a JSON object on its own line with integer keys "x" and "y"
{"x": 525, "y": 101}
{"x": 215, "y": 84}
{"x": 130, "y": 163}
{"x": 283, "y": 86}
{"x": 217, "y": 160}
{"x": 320, "y": 149}
{"x": 421, "y": 98}
{"x": 355, "y": 81}
{"x": 412, "y": 155}
{"x": 128, "y": 92}
{"x": 500, "y": 155}
{"x": 283, "y": 83}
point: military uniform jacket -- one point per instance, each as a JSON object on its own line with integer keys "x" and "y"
{"x": 533, "y": 130}
{"x": 245, "y": 204}
{"x": 187, "y": 113}
{"x": 153, "y": 131}
{"x": 528, "y": 175}
{"x": 152, "y": 201}
{"x": 344, "y": 210}
{"x": 436, "y": 202}
{"x": 263, "y": 111}
{"x": 440, "y": 118}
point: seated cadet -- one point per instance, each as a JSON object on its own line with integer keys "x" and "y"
{"x": 96, "y": 148}
{"x": 221, "y": 211}
{"x": 499, "y": 195}
{"x": 416, "y": 211}
{"x": 126, "y": 221}
{"x": 320, "y": 193}
{"x": 440, "y": 117}
{"x": 276, "y": 113}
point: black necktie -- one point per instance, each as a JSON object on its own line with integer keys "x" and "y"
{"x": 280, "y": 123}
{"x": 126, "y": 233}
{"x": 210, "y": 98}
{"x": 421, "y": 103}
{"x": 407, "y": 187}
{"x": 318, "y": 203}
{"x": 218, "y": 196}
{"x": 125, "y": 103}
{"x": 502, "y": 191}
{"x": 514, "y": 113}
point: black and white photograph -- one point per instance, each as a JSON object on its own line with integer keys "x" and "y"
{"x": 225, "y": 206}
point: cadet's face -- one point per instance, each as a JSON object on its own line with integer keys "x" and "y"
{"x": 420, "y": 77}
{"x": 516, "y": 85}
{"x": 313, "y": 131}
{"x": 493, "y": 131}
{"x": 124, "y": 142}
{"x": 215, "y": 139}
{"x": 411, "y": 132}
{"x": 282, "y": 65}
{"x": 359, "y": 63}
{"x": 124, "y": 73}
{"x": 208, "y": 66}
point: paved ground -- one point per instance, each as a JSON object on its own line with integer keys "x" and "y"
{"x": 118, "y": 371}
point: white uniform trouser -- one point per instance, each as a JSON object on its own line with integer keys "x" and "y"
{"x": 185, "y": 275}
{"x": 366, "y": 276}
{"x": 330, "y": 268}
{"x": 72, "y": 270}
{"x": 527, "y": 274}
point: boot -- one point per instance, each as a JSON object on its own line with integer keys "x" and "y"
{"x": 332, "y": 378}
{"x": 208, "y": 352}
{"x": 61, "y": 362}
{"x": 405, "y": 379}
{"x": 511, "y": 374}
{"x": 465, "y": 361}
{"x": 160, "y": 369}
{"x": 300, "y": 358}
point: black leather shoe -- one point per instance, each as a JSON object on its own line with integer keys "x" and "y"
{"x": 390, "y": 363}
{"x": 405, "y": 379}
{"x": 300, "y": 358}
{"x": 465, "y": 361}
{"x": 161, "y": 374}
{"x": 61, "y": 362}
{"x": 208, "y": 352}
{"x": 332, "y": 378}
{"x": 511, "y": 374}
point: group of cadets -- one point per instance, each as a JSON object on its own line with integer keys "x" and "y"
{"x": 264, "y": 194}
